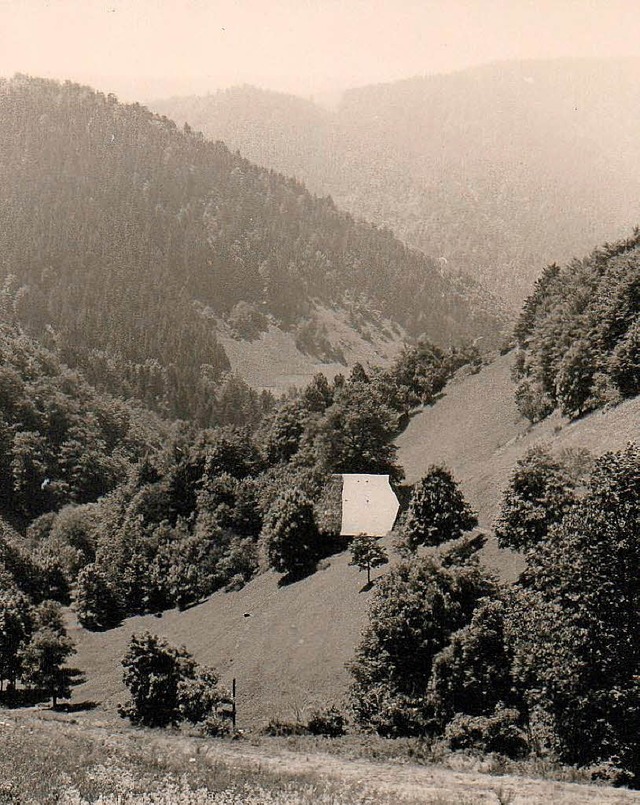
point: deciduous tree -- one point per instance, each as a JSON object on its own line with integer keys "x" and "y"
{"x": 291, "y": 535}
{"x": 437, "y": 511}
{"x": 152, "y": 671}
{"x": 42, "y": 663}
{"x": 540, "y": 493}
{"x": 367, "y": 553}
{"x": 416, "y": 608}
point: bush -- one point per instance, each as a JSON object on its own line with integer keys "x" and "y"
{"x": 499, "y": 732}
{"x": 611, "y": 772}
{"x": 278, "y": 728}
{"x": 237, "y": 564}
{"x": 167, "y": 686}
{"x": 200, "y": 698}
{"x": 235, "y": 583}
{"x": 329, "y": 721}
{"x": 312, "y": 338}
{"x": 216, "y": 726}
{"x": 153, "y": 671}
{"x": 604, "y": 392}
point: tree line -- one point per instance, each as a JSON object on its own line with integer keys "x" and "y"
{"x": 547, "y": 666}
{"x": 578, "y": 335}
{"x": 121, "y": 512}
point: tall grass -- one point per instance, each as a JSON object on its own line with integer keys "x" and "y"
{"x": 46, "y": 761}
{"x": 428, "y": 752}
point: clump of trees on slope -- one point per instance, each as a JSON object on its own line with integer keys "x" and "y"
{"x": 122, "y": 512}
{"x": 167, "y": 686}
{"x": 213, "y": 505}
{"x": 34, "y": 647}
{"x": 115, "y": 223}
{"x": 578, "y": 336}
{"x": 62, "y": 441}
{"x": 547, "y": 667}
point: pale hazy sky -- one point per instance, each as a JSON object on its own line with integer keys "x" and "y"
{"x": 141, "y": 49}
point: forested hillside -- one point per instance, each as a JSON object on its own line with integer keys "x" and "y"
{"x": 63, "y": 445}
{"x": 127, "y": 237}
{"x": 103, "y": 500}
{"x": 579, "y": 334}
{"x": 497, "y": 170}
{"x": 290, "y": 654}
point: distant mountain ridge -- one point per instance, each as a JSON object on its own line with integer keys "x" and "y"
{"x": 497, "y": 170}
{"x": 127, "y": 237}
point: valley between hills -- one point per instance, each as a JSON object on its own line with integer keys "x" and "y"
{"x": 193, "y": 346}
{"x": 288, "y": 647}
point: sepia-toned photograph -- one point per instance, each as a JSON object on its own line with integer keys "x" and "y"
{"x": 319, "y": 402}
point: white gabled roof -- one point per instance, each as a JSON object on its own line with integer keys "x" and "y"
{"x": 369, "y": 505}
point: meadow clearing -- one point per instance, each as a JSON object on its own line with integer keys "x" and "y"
{"x": 57, "y": 758}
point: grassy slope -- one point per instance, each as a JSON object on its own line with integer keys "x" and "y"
{"x": 273, "y": 361}
{"x": 289, "y": 655}
{"x": 477, "y": 431}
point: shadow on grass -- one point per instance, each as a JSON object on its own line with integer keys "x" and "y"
{"x": 74, "y": 677}
{"x": 332, "y": 544}
{"x": 76, "y": 707}
{"x": 17, "y": 698}
{"x": 293, "y": 577}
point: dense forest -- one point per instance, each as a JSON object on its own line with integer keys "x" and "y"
{"x": 578, "y": 335}
{"x": 496, "y": 170}
{"x": 127, "y": 237}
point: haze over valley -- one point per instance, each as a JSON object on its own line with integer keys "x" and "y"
{"x": 495, "y": 171}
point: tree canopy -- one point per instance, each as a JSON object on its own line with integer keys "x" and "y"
{"x": 437, "y": 511}
{"x": 577, "y": 335}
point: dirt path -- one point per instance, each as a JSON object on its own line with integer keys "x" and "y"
{"x": 409, "y": 782}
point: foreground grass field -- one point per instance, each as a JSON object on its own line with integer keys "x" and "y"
{"x": 51, "y": 758}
